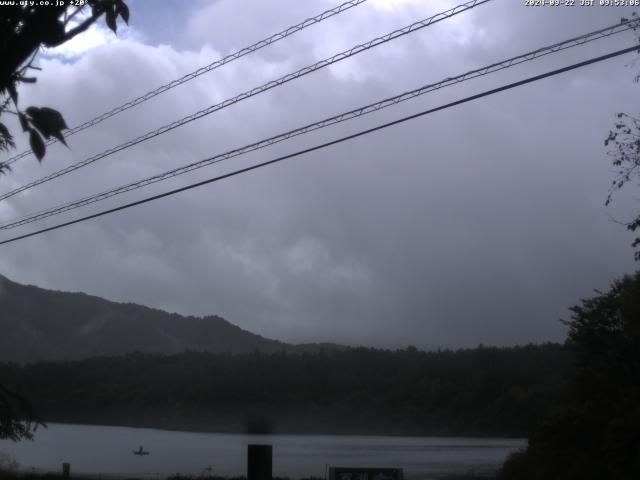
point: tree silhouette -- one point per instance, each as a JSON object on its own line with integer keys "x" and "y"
{"x": 24, "y": 29}
{"x": 624, "y": 140}
{"x": 597, "y": 435}
{"x": 18, "y": 419}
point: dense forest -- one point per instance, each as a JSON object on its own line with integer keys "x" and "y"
{"x": 482, "y": 391}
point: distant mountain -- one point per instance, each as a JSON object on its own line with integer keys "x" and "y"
{"x": 40, "y": 324}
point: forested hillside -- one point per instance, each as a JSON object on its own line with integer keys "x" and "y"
{"x": 40, "y": 324}
{"x": 484, "y": 391}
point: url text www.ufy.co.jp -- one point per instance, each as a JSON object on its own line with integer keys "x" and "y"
{"x": 42, "y": 3}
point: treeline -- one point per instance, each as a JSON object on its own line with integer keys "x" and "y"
{"x": 482, "y": 391}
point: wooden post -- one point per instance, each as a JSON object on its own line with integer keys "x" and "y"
{"x": 259, "y": 462}
{"x": 66, "y": 470}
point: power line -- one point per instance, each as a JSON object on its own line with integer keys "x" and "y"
{"x": 255, "y": 91}
{"x": 201, "y": 71}
{"x": 570, "y": 43}
{"x": 327, "y": 144}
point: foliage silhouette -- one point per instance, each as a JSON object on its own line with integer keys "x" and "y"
{"x": 597, "y": 435}
{"x": 24, "y": 29}
{"x": 18, "y": 419}
{"x": 624, "y": 140}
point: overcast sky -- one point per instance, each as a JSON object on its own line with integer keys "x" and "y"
{"x": 482, "y": 223}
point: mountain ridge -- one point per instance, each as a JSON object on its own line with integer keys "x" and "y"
{"x": 45, "y": 324}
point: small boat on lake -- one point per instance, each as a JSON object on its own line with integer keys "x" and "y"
{"x": 141, "y": 451}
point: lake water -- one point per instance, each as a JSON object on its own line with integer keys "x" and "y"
{"x": 109, "y": 451}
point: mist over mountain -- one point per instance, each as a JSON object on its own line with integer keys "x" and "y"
{"x": 144, "y": 367}
{"x": 40, "y": 324}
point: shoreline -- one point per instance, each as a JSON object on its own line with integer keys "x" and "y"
{"x": 318, "y": 433}
{"x": 105, "y": 452}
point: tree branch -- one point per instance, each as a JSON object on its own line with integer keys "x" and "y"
{"x": 70, "y": 17}
{"x": 615, "y": 220}
{"x": 77, "y": 30}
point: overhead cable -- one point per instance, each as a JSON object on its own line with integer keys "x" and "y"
{"x": 201, "y": 71}
{"x": 373, "y": 107}
{"x": 327, "y": 144}
{"x": 255, "y": 91}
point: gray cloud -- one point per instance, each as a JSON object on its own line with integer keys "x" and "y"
{"x": 481, "y": 223}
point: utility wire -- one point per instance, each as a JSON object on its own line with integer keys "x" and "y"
{"x": 327, "y": 144}
{"x": 255, "y": 91}
{"x": 201, "y": 71}
{"x": 570, "y": 43}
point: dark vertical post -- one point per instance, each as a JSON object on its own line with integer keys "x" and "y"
{"x": 66, "y": 470}
{"x": 259, "y": 462}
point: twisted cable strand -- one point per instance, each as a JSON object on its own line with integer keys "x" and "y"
{"x": 358, "y": 112}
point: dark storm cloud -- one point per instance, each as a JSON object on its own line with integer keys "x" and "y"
{"x": 481, "y": 223}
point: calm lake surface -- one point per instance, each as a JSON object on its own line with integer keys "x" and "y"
{"x": 108, "y": 451}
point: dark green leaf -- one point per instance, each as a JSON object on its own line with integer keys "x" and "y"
{"x": 24, "y": 122}
{"x": 4, "y": 131}
{"x": 60, "y": 138}
{"x": 6, "y": 139}
{"x": 110, "y": 15}
{"x": 96, "y": 8}
{"x": 37, "y": 144}
{"x": 48, "y": 121}
{"x": 54, "y": 118}
{"x": 123, "y": 10}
